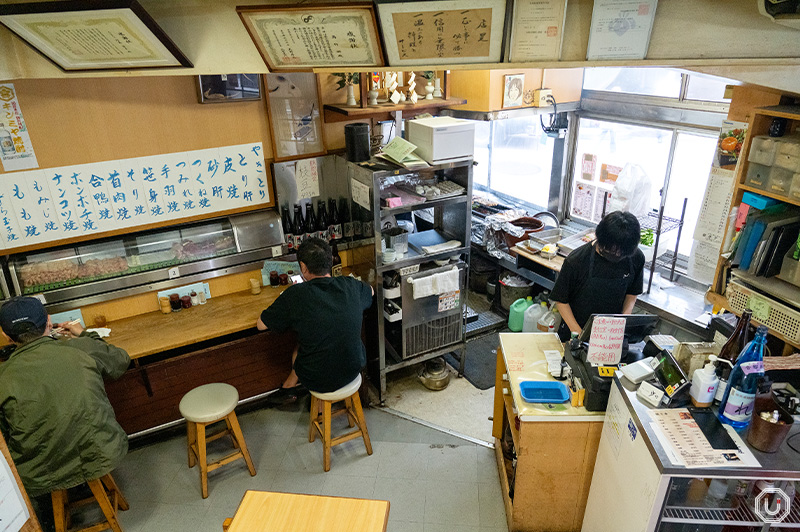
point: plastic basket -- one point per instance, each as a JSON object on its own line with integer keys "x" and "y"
{"x": 781, "y": 319}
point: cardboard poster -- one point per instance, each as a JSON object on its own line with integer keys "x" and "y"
{"x": 605, "y": 344}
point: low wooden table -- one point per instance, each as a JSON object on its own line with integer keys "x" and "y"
{"x": 262, "y": 511}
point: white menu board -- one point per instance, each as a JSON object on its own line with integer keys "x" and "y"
{"x": 620, "y": 29}
{"x": 67, "y": 202}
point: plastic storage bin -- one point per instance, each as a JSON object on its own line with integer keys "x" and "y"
{"x": 763, "y": 150}
{"x": 543, "y": 391}
{"x": 788, "y": 154}
{"x": 779, "y": 181}
{"x": 757, "y": 176}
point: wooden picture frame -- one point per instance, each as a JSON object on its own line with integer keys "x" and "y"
{"x": 294, "y": 115}
{"x": 85, "y": 35}
{"x": 442, "y": 32}
{"x": 224, "y": 88}
{"x": 302, "y": 37}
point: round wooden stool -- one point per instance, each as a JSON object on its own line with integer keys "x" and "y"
{"x": 204, "y": 406}
{"x": 107, "y": 494}
{"x": 321, "y": 416}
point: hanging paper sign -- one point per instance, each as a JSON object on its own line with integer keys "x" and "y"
{"x": 605, "y": 344}
{"x": 16, "y": 149}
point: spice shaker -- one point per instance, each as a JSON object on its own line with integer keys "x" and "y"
{"x": 201, "y": 297}
{"x": 255, "y": 285}
{"x": 175, "y": 302}
{"x": 194, "y": 298}
{"x": 186, "y": 301}
{"x": 166, "y": 308}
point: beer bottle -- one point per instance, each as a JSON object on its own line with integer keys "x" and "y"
{"x": 334, "y": 222}
{"x": 357, "y": 225}
{"x": 336, "y": 269}
{"x": 299, "y": 226}
{"x": 730, "y": 351}
{"x": 322, "y": 221}
{"x": 347, "y": 223}
{"x": 288, "y": 230}
{"x": 311, "y": 221}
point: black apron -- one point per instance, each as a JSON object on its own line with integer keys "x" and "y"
{"x": 598, "y": 296}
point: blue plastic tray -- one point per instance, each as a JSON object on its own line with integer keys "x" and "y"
{"x": 543, "y": 391}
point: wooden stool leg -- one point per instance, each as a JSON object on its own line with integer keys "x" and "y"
{"x": 191, "y": 439}
{"x": 111, "y": 485}
{"x": 326, "y": 436}
{"x": 59, "y": 498}
{"x": 362, "y": 424}
{"x": 226, "y": 524}
{"x": 201, "y": 457}
{"x": 313, "y": 416}
{"x": 230, "y": 433}
{"x": 348, "y": 405}
{"x": 233, "y": 422}
{"x": 99, "y": 493}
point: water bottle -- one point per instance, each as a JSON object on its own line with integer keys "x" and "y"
{"x": 738, "y": 402}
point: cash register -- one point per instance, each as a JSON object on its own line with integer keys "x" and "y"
{"x": 597, "y": 385}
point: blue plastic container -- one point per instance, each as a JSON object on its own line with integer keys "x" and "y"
{"x": 543, "y": 391}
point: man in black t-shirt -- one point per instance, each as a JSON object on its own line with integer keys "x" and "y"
{"x": 601, "y": 277}
{"x": 326, "y": 313}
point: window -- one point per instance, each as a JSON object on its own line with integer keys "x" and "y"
{"x": 603, "y": 150}
{"x": 662, "y": 82}
{"x": 707, "y": 88}
{"x": 515, "y": 158}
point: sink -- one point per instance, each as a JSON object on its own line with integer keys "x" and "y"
{"x": 541, "y": 238}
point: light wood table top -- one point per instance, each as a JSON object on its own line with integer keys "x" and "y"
{"x": 554, "y": 264}
{"x": 265, "y": 511}
{"x": 154, "y": 332}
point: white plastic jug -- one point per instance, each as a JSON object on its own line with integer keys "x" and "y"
{"x": 547, "y": 321}
{"x": 532, "y": 315}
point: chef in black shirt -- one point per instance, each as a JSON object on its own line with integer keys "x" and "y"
{"x": 601, "y": 277}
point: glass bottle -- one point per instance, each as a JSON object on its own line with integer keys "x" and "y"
{"x": 311, "y": 221}
{"x": 738, "y": 402}
{"x": 356, "y": 222}
{"x": 347, "y": 223}
{"x": 336, "y": 269}
{"x": 299, "y": 226}
{"x": 334, "y": 222}
{"x": 288, "y": 229}
{"x": 730, "y": 351}
{"x": 322, "y": 221}
{"x": 6, "y": 141}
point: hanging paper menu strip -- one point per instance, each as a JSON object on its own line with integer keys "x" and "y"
{"x": 67, "y": 202}
{"x": 307, "y": 178}
{"x": 16, "y": 149}
{"x": 605, "y": 344}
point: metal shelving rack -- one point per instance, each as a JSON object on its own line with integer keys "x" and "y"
{"x": 427, "y": 329}
{"x": 740, "y": 515}
{"x": 660, "y": 225}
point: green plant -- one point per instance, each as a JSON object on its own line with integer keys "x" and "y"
{"x": 430, "y": 75}
{"x": 648, "y": 237}
{"x": 346, "y": 78}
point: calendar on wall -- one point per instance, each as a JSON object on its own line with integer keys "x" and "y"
{"x": 56, "y": 204}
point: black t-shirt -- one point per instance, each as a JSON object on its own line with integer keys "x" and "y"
{"x": 574, "y": 274}
{"x": 326, "y": 313}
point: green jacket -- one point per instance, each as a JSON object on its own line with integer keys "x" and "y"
{"x": 54, "y": 412}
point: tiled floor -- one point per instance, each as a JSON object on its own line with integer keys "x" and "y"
{"x": 435, "y": 482}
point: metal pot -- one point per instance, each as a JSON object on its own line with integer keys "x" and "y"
{"x": 435, "y": 375}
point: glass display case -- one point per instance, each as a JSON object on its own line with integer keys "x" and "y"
{"x": 87, "y": 269}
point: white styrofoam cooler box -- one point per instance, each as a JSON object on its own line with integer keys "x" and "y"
{"x": 442, "y": 139}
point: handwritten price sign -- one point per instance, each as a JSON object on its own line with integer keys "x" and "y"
{"x": 605, "y": 344}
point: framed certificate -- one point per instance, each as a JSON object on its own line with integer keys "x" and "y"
{"x": 294, "y": 115}
{"x": 443, "y": 31}
{"x": 83, "y": 35}
{"x": 301, "y": 37}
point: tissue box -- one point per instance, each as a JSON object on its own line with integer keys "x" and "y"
{"x": 442, "y": 139}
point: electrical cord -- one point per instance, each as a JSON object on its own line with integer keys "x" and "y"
{"x": 789, "y": 439}
{"x": 552, "y": 128}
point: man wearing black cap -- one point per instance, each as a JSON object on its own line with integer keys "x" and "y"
{"x": 54, "y": 412}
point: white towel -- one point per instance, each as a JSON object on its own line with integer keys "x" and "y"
{"x": 104, "y": 332}
{"x": 422, "y": 286}
{"x": 444, "y": 246}
{"x": 445, "y": 282}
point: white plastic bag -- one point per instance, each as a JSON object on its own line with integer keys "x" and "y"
{"x": 631, "y": 191}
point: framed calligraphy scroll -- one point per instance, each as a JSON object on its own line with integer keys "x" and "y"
{"x": 301, "y": 37}
{"x": 86, "y": 35}
{"x": 442, "y": 31}
{"x": 294, "y": 115}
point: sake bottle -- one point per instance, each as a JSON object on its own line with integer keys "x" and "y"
{"x": 738, "y": 402}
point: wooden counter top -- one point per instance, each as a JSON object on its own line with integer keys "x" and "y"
{"x": 554, "y": 264}
{"x": 154, "y": 332}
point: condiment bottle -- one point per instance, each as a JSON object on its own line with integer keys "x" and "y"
{"x": 730, "y": 351}
{"x": 193, "y": 296}
{"x": 186, "y": 301}
{"x": 166, "y": 308}
{"x": 201, "y": 297}
{"x": 274, "y": 280}
{"x": 175, "y": 302}
{"x": 283, "y": 279}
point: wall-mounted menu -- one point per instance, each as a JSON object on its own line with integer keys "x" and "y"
{"x": 75, "y": 201}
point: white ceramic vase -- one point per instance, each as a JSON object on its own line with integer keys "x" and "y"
{"x": 351, "y": 97}
{"x": 373, "y": 97}
{"x": 429, "y": 91}
{"x": 437, "y": 90}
